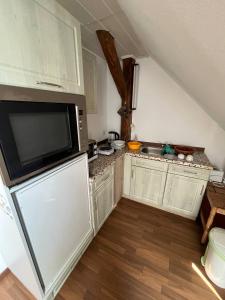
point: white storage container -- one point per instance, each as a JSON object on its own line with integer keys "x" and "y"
{"x": 214, "y": 258}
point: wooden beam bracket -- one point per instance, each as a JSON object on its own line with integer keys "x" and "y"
{"x": 124, "y": 111}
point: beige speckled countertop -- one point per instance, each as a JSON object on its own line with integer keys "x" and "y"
{"x": 98, "y": 166}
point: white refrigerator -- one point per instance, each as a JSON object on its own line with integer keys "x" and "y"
{"x": 54, "y": 213}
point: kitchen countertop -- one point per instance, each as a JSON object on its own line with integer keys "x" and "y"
{"x": 98, "y": 166}
{"x": 200, "y": 159}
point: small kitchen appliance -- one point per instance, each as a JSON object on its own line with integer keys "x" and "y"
{"x": 39, "y": 130}
{"x": 92, "y": 150}
{"x": 106, "y": 150}
{"x": 113, "y": 135}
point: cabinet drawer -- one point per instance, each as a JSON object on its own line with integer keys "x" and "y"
{"x": 149, "y": 164}
{"x": 189, "y": 172}
{"x": 101, "y": 179}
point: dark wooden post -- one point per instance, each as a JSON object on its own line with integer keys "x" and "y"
{"x": 123, "y": 80}
{"x": 128, "y": 72}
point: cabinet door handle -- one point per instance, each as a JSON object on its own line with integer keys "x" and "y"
{"x": 190, "y": 172}
{"x": 202, "y": 190}
{"x": 49, "y": 83}
{"x": 95, "y": 205}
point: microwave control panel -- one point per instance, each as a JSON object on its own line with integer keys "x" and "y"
{"x": 82, "y": 123}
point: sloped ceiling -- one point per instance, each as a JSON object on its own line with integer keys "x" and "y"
{"x": 107, "y": 15}
{"x": 187, "y": 37}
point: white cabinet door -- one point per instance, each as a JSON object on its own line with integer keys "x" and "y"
{"x": 127, "y": 175}
{"x": 103, "y": 202}
{"x": 118, "y": 180}
{"x": 184, "y": 194}
{"x": 148, "y": 185}
{"x": 55, "y": 212}
{"x": 90, "y": 81}
{"x": 38, "y": 48}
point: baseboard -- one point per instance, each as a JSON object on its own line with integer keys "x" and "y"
{"x": 4, "y": 273}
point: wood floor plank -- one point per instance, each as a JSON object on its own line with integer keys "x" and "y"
{"x": 140, "y": 253}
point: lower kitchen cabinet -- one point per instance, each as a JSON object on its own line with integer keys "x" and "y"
{"x": 175, "y": 188}
{"x": 184, "y": 194}
{"x": 147, "y": 184}
{"x": 127, "y": 175}
{"x": 118, "y": 179}
{"x": 102, "y": 197}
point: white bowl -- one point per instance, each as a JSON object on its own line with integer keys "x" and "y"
{"x": 119, "y": 143}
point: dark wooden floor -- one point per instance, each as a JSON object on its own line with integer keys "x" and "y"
{"x": 140, "y": 253}
{"x": 12, "y": 289}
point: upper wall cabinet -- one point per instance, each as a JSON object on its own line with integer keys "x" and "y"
{"x": 90, "y": 84}
{"x": 40, "y": 46}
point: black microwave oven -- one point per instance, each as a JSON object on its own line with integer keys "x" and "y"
{"x": 39, "y": 130}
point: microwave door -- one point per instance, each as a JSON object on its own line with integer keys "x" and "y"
{"x": 35, "y": 135}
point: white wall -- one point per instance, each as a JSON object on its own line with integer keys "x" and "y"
{"x": 166, "y": 113}
{"x": 108, "y": 102}
{"x": 2, "y": 264}
{"x": 113, "y": 105}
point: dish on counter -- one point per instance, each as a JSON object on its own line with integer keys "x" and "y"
{"x": 118, "y": 144}
{"x": 133, "y": 145}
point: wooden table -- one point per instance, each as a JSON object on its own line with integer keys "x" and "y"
{"x": 213, "y": 209}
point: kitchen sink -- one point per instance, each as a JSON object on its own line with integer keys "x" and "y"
{"x": 151, "y": 150}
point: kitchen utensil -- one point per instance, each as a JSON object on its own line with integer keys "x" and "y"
{"x": 184, "y": 150}
{"x": 133, "y": 145}
{"x": 167, "y": 149}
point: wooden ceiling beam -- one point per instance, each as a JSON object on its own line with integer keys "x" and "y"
{"x": 108, "y": 47}
{"x": 122, "y": 78}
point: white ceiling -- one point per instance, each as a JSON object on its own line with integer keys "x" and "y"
{"x": 107, "y": 15}
{"x": 187, "y": 37}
